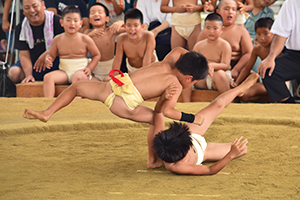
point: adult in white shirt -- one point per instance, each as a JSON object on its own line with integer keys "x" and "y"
{"x": 275, "y": 72}
{"x": 157, "y": 22}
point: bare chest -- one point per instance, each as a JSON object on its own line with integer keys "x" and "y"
{"x": 233, "y": 39}
{"x": 212, "y": 54}
{"x": 72, "y": 48}
{"x": 135, "y": 50}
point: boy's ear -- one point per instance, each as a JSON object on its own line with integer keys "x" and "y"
{"x": 189, "y": 78}
{"x": 143, "y": 25}
{"x": 107, "y": 19}
{"x": 61, "y": 22}
{"x": 81, "y": 22}
{"x": 222, "y": 28}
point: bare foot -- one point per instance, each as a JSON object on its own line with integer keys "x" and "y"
{"x": 31, "y": 114}
{"x": 246, "y": 84}
{"x": 157, "y": 163}
{"x": 199, "y": 119}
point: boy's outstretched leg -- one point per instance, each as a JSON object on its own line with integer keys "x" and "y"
{"x": 86, "y": 89}
{"x": 211, "y": 112}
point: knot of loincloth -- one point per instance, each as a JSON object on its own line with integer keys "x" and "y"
{"x": 123, "y": 83}
{"x": 117, "y": 81}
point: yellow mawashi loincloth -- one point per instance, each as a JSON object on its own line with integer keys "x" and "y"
{"x": 128, "y": 92}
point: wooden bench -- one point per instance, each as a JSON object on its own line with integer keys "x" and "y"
{"x": 36, "y": 90}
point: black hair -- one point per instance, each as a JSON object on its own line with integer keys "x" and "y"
{"x": 220, "y": 4}
{"x": 133, "y": 13}
{"x": 102, "y": 5}
{"x": 214, "y": 17}
{"x": 193, "y": 63}
{"x": 173, "y": 144}
{"x": 264, "y": 22}
{"x": 70, "y": 9}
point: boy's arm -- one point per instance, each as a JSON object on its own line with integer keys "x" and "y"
{"x": 168, "y": 94}
{"x": 94, "y": 51}
{"x": 119, "y": 53}
{"x": 52, "y": 53}
{"x": 174, "y": 55}
{"x": 118, "y": 8}
{"x": 238, "y": 148}
{"x": 209, "y": 5}
{"x": 225, "y": 59}
{"x": 247, "y": 69}
{"x": 170, "y": 111}
{"x": 117, "y": 27}
{"x": 165, "y": 8}
{"x": 149, "y": 49}
{"x": 159, "y": 28}
{"x": 246, "y": 48}
{"x": 248, "y": 7}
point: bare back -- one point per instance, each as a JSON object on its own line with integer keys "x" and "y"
{"x": 151, "y": 81}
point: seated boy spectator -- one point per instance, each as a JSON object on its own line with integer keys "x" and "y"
{"x": 264, "y": 37}
{"x": 237, "y": 36}
{"x": 186, "y": 21}
{"x": 158, "y": 23}
{"x": 33, "y": 38}
{"x": 138, "y": 45}
{"x": 218, "y": 54}
{"x": 260, "y": 9}
{"x": 57, "y": 6}
{"x": 72, "y": 48}
{"x": 104, "y": 39}
{"x": 182, "y": 148}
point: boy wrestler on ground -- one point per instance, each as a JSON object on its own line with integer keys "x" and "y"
{"x": 72, "y": 48}
{"x": 182, "y": 148}
{"x": 180, "y": 67}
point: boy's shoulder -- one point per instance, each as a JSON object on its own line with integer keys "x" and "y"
{"x": 224, "y": 43}
{"x": 200, "y": 44}
{"x": 258, "y": 49}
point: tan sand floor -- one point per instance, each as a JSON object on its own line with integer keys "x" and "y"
{"x": 85, "y": 152}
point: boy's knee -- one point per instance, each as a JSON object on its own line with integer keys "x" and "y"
{"x": 219, "y": 102}
{"x": 220, "y": 75}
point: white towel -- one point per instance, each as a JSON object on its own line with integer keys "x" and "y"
{"x": 27, "y": 35}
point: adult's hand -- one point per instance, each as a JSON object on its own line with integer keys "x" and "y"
{"x": 267, "y": 63}
{"x": 27, "y": 79}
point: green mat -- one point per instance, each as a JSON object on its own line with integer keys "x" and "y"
{"x": 85, "y": 152}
